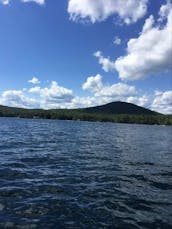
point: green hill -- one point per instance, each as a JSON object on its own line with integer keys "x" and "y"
{"x": 120, "y": 108}
{"x": 118, "y": 112}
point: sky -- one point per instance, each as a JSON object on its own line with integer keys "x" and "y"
{"x": 81, "y": 53}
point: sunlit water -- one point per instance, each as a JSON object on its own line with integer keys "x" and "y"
{"x": 65, "y": 174}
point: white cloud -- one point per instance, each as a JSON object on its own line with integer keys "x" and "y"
{"x": 118, "y": 91}
{"x": 5, "y": 2}
{"x": 162, "y": 102}
{"x": 40, "y": 2}
{"x": 35, "y": 89}
{"x": 148, "y": 24}
{"x": 117, "y": 41}
{"x": 34, "y": 80}
{"x": 17, "y": 98}
{"x": 81, "y": 102}
{"x": 150, "y": 53}
{"x": 107, "y": 64}
{"x": 93, "y": 83}
{"x": 53, "y": 96}
{"x": 102, "y": 94}
{"x": 143, "y": 101}
{"x": 56, "y": 93}
{"x": 164, "y": 11}
{"x": 112, "y": 93}
{"x": 56, "y": 96}
{"x": 98, "y": 10}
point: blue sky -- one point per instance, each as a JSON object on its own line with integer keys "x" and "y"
{"x": 79, "y": 53}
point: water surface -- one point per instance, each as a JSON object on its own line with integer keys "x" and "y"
{"x": 65, "y": 174}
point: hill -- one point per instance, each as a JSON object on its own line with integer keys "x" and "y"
{"x": 118, "y": 112}
{"x": 120, "y": 108}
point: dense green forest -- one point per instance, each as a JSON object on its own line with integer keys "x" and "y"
{"x": 105, "y": 113}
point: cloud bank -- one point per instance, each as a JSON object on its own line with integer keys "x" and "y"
{"x": 55, "y": 96}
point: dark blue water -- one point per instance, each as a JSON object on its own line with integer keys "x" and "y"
{"x": 65, "y": 174}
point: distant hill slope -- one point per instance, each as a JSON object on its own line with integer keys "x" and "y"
{"x": 110, "y": 108}
{"x": 120, "y": 108}
{"x": 117, "y": 112}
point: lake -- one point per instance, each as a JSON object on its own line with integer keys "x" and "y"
{"x": 72, "y": 174}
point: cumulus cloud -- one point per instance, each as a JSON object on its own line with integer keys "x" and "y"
{"x": 118, "y": 91}
{"x": 143, "y": 101}
{"x": 117, "y": 41}
{"x": 162, "y": 102}
{"x": 52, "y": 96}
{"x": 93, "y": 83}
{"x": 89, "y": 101}
{"x": 17, "y": 98}
{"x": 164, "y": 11}
{"x": 102, "y": 94}
{"x": 5, "y": 2}
{"x": 98, "y": 10}
{"x": 40, "y": 2}
{"x": 105, "y": 62}
{"x": 151, "y": 52}
{"x": 56, "y": 93}
{"x": 34, "y": 80}
{"x": 35, "y": 89}
{"x": 55, "y": 96}
{"x": 81, "y": 102}
{"x": 149, "y": 22}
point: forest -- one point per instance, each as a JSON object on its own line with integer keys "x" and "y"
{"x": 94, "y": 114}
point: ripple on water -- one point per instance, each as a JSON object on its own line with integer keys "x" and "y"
{"x": 61, "y": 174}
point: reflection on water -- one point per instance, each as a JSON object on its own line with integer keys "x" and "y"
{"x": 65, "y": 174}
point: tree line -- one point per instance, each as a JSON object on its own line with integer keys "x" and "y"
{"x": 77, "y": 114}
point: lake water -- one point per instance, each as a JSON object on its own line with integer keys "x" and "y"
{"x": 66, "y": 174}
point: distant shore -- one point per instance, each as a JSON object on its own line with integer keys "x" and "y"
{"x": 129, "y": 119}
{"x": 105, "y": 113}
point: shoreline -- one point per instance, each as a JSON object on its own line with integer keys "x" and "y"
{"x": 123, "y": 120}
